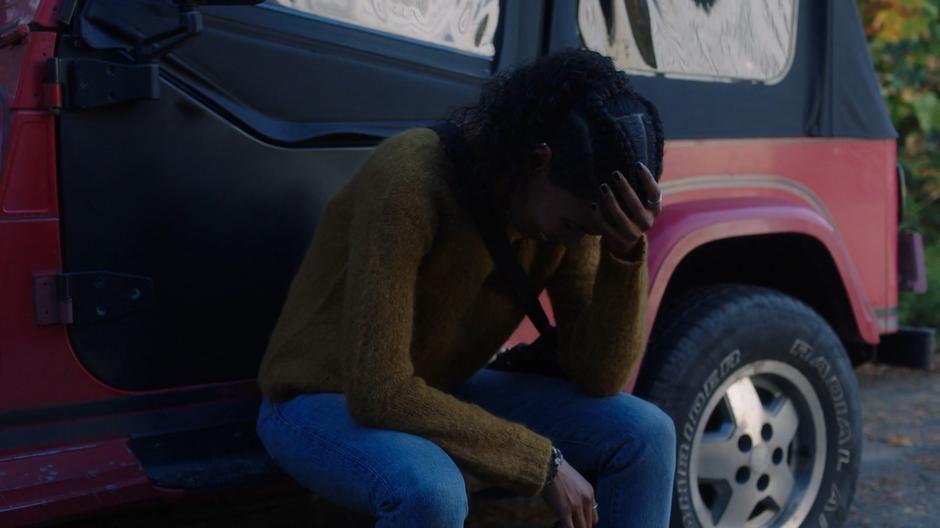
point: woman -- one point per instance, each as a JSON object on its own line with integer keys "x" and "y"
{"x": 374, "y": 392}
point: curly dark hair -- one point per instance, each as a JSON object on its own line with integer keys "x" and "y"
{"x": 578, "y": 103}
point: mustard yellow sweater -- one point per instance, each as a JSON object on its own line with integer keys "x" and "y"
{"x": 396, "y": 301}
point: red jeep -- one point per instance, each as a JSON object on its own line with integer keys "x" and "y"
{"x": 164, "y": 163}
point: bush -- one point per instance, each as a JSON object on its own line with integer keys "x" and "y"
{"x": 922, "y": 310}
{"x": 904, "y": 39}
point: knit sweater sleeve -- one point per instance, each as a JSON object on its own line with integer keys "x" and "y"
{"x": 599, "y": 301}
{"x": 392, "y": 229}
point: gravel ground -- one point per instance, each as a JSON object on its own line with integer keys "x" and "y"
{"x": 898, "y": 485}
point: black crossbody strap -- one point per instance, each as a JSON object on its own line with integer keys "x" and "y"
{"x": 508, "y": 265}
{"x": 504, "y": 256}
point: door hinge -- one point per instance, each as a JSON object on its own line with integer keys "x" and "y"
{"x": 90, "y": 83}
{"x": 82, "y": 83}
{"x": 71, "y": 298}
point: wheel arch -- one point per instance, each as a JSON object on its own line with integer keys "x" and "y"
{"x": 748, "y": 241}
{"x": 751, "y": 259}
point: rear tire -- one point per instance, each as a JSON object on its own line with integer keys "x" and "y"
{"x": 766, "y": 409}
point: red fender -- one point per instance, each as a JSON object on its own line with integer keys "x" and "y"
{"x": 683, "y": 227}
{"x": 686, "y": 226}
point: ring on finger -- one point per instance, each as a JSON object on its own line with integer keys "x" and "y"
{"x": 654, "y": 203}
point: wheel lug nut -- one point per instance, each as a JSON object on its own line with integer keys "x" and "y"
{"x": 742, "y": 474}
{"x": 777, "y": 456}
{"x": 766, "y": 432}
{"x": 744, "y": 443}
{"x": 763, "y": 482}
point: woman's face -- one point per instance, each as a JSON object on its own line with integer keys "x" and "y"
{"x": 544, "y": 211}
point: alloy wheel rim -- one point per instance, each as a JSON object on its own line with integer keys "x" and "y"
{"x": 759, "y": 452}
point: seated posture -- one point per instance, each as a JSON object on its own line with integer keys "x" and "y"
{"x": 376, "y": 395}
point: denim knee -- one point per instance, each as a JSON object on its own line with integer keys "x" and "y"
{"x": 648, "y": 439}
{"x": 660, "y": 425}
{"x": 662, "y": 433}
{"x": 428, "y": 499}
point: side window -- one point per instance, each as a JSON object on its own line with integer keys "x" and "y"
{"x": 699, "y": 39}
{"x": 465, "y": 25}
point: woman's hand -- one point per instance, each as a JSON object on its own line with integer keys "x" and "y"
{"x": 624, "y": 221}
{"x": 572, "y": 498}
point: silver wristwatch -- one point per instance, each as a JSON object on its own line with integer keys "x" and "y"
{"x": 553, "y": 464}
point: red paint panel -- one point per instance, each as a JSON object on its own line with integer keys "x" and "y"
{"x": 11, "y": 60}
{"x": 29, "y": 92}
{"x": 53, "y": 483}
{"x": 37, "y": 366}
{"x": 685, "y": 227}
{"x": 4, "y": 116}
{"x": 48, "y": 13}
{"x": 853, "y": 180}
{"x": 27, "y": 184}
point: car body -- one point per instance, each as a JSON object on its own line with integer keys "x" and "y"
{"x": 156, "y": 203}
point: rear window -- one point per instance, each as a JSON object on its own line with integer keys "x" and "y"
{"x": 465, "y": 25}
{"x": 726, "y": 40}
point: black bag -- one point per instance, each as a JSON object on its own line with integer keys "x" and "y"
{"x": 540, "y": 356}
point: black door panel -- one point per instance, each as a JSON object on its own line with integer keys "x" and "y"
{"x": 214, "y": 190}
{"x": 220, "y": 224}
{"x": 290, "y": 78}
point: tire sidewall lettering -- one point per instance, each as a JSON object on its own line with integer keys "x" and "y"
{"x": 708, "y": 336}
{"x": 815, "y": 365}
{"x": 818, "y": 364}
{"x": 728, "y": 364}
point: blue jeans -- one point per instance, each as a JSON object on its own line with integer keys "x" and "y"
{"x": 623, "y": 443}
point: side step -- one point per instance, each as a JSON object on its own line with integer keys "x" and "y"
{"x": 222, "y": 457}
{"x": 913, "y": 347}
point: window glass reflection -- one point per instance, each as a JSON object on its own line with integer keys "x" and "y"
{"x": 466, "y": 25}
{"x": 719, "y": 39}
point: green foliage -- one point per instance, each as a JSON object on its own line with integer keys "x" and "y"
{"x": 904, "y": 38}
{"x": 922, "y": 310}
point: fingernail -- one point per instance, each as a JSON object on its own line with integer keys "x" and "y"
{"x": 593, "y": 206}
{"x": 641, "y": 164}
{"x": 605, "y": 189}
